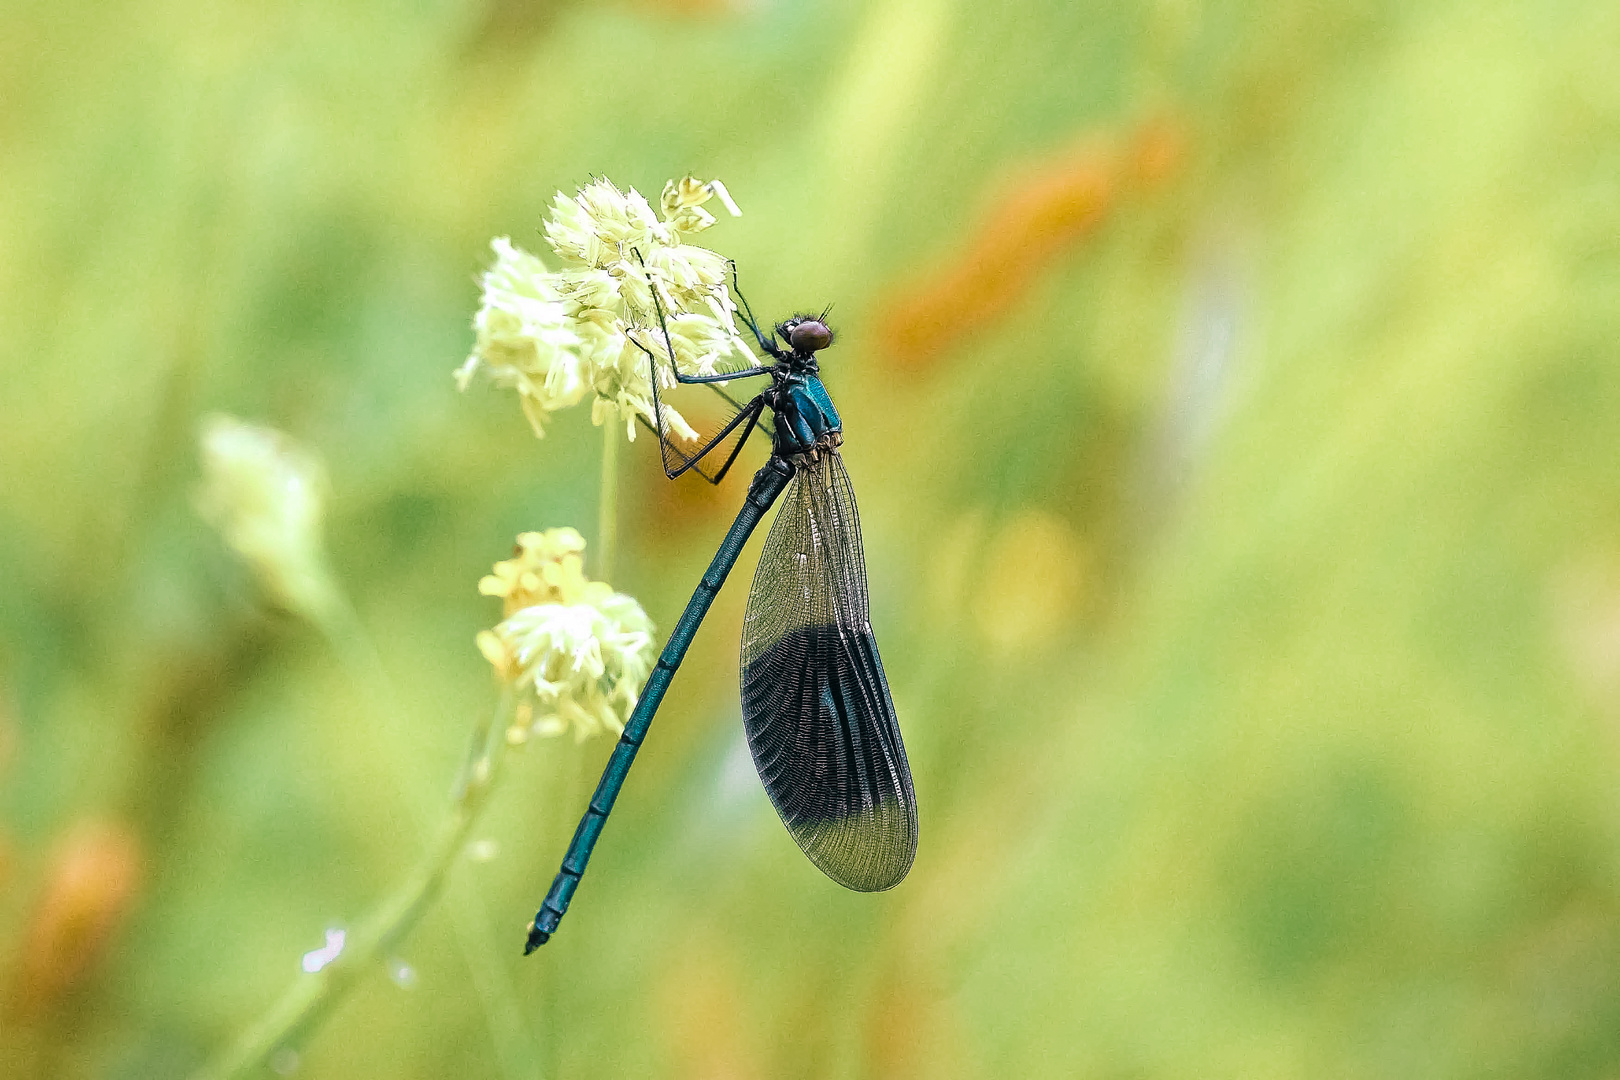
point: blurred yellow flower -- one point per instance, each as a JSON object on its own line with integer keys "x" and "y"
{"x": 578, "y": 651}
{"x": 555, "y": 336}
{"x": 267, "y": 495}
{"x": 1035, "y": 576}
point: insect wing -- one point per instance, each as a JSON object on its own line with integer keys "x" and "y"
{"x": 815, "y": 702}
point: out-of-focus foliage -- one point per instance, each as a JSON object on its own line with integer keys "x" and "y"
{"x": 1233, "y": 395}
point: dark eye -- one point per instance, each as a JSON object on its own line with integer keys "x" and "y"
{"x": 810, "y": 335}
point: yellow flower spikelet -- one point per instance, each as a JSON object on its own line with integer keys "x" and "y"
{"x": 576, "y": 650}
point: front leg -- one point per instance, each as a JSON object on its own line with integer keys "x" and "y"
{"x": 669, "y": 346}
{"x": 724, "y": 376}
{"x": 767, "y": 345}
{"x": 677, "y": 461}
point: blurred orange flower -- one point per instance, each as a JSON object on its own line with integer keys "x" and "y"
{"x": 1035, "y": 217}
{"x": 90, "y": 887}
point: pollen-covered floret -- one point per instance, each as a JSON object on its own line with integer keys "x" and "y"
{"x": 576, "y": 651}
{"x": 526, "y": 339}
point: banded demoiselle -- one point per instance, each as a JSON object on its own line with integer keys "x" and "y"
{"x": 815, "y": 702}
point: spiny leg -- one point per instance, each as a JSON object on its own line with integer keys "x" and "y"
{"x": 767, "y": 344}
{"x": 676, "y": 460}
{"x": 669, "y": 344}
{"x": 668, "y": 450}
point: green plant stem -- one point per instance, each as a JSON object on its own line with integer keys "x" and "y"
{"x": 511, "y": 1037}
{"x": 607, "y": 506}
{"x": 346, "y": 632}
{"x": 339, "y": 622}
{"x": 313, "y": 995}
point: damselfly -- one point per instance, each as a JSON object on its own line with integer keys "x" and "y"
{"x": 815, "y": 702}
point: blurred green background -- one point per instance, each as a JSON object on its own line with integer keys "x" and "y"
{"x": 1233, "y": 397}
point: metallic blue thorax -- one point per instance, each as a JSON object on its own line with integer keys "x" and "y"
{"x": 805, "y": 415}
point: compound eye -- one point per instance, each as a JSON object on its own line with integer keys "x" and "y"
{"x": 808, "y": 336}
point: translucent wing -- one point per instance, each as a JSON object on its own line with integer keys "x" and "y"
{"x": 815, "y": 702}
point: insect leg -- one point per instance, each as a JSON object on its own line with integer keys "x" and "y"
{"x": 767, "y": 344}
{"x": 670, "y": 451}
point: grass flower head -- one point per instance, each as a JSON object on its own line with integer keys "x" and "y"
{"x": 555, "y": 336}
{"x": 524, "y": 337}
{"x": 267, "y": 496}
{"x": 578, "y": 651}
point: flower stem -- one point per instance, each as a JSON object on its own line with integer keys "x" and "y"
{"x": 607, "y": 506}
{"x": 313, "y": 995}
